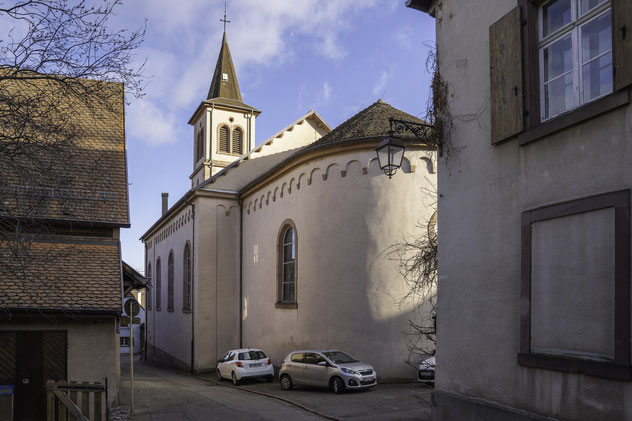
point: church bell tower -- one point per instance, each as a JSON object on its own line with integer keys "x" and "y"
{"x": 223, "y": 125}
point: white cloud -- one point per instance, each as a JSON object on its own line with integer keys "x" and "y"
{"x": 325, "y": 93}
{"x": 147, "y": 122}
{"x": 378, "y": 88}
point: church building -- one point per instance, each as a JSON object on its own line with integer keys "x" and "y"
{"x": 286, "y": 244}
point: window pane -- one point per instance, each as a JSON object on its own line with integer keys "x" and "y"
{"x": 558, "y": 96}
{"x": 590, "y": 4}
{"x": 288, "y": 292}
{"x": 289, "y": 236}
{"x": 597, "y": 76}
{"x": 288, "y": 253}
{"x": 555, "y": 15}
{"x": 596, "y": 37}
{"x": 558, "y": 58}
{"x": 288, "y": 272}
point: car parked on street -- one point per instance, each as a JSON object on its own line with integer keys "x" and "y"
{"x": 334, "y": 369}
{"x": 426, "y": 371}
{"x": 238, "y": 364}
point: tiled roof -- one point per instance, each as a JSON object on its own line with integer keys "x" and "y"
{"x": 84, "y": 180}
{"x": 367, "y": 124}
{"x": 66, "y": 277}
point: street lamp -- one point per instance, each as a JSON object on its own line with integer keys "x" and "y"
{"x": 390, "y": 153}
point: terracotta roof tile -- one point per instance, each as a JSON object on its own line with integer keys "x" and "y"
{"x": 58, "y": 276}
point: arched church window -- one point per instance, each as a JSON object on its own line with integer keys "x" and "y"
{"x": 186, "y": 279}
{"x": 287, "y": 264}
{"x": 238, "y": 140}
{"x": 200, "y": 144}
{"x": 149, "y": 288}
{"x": 170, "y": 282}
{"x": 158, "y": 285}
{"x": 224, "y": 135}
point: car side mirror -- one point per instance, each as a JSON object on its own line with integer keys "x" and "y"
{"x": 220, "y": 361}
{"x": 323, "y": 363}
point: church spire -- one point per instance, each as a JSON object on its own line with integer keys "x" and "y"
{"x": 224, "y": 83}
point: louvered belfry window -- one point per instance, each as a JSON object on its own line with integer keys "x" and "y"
{"x": 224, "y": 136}
{"x": 238, "y": 136}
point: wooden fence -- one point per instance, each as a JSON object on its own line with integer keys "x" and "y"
{"x": 69, "y": 401}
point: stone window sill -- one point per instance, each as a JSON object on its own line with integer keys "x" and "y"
{"x": 285, "y": 305}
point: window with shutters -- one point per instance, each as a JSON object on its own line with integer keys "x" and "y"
{"x": 557, "y": 63}
{"x": 170, "y": 282}
{"x": 186, "y": 279}
{"x": 149, "y": 287}
{"x": 237, "y": 143}
{"x": 224, "y": 139}
{"x": 158, "y": 285}
{"x": 287, "y": 266}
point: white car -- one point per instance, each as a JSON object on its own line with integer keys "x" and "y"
{"x": 426, "y": 372}
{"x": 238, "y": 364}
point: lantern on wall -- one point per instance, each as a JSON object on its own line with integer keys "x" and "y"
{"x": 390, "y": 153}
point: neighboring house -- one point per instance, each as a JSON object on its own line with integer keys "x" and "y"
{"x": 134, "y": 288}
{"x": 60, "y": 281}
{"x": 534, "y": 257}
{"x": 284, "y": 245}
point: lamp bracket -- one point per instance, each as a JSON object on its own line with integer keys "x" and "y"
{"x": 422, "y": 131}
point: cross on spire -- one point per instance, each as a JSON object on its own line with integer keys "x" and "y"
{"x": 224, "y": 20}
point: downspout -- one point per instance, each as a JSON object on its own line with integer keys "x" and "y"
{"x": 192, "y": 290}
{"x": 241, "y": 257}
{"x": 216, "y": 273}
{"x": 146, "y": 311}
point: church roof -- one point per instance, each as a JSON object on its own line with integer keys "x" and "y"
{"x": 368, "y": 124}
{"x": 224, "y": 83}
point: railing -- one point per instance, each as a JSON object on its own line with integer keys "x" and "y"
{"x": 68, "y": 401}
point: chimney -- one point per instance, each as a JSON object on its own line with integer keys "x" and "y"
{"x": 165, "y": 202}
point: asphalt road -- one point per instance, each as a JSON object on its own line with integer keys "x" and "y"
{"x": 162, "y": 394}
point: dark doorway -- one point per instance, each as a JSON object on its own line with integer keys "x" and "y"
{"x": 39, "y": 356}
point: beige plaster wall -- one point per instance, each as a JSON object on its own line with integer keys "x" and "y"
{"x": 347, "y": 287}
{"x": 216, "y": 280}
{"x": 301, "y": 134}
{"x": 483, "y": 190}
{"x": 93, "y": 348}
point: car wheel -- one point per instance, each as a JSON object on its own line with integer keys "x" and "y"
{"x": 219, "y": 375}
{"x": 235, "y": 381}
{"x": 269, "y": 378}
{"x": 338, "y": 385}
{"x": 286, "y": 382}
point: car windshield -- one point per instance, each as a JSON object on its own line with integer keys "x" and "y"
{"x": 340, "y": 357}
{"x": 252, "y": 355}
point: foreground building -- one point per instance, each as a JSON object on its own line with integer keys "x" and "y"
{"x": 534, "y": 258}
{"x": 60, "y": 278}
{"x": 285, "y": 245}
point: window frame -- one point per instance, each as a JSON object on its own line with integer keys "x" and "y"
{"x": 187, "y": 281}
{"x": 620, "y": 366}
{"x": 170, "y": 275}
{"x": 158, "y": 285}
{"x": 287, "y": 224}
{"x": 228, "y": 141}
{"x": 534, "y": 128}
{"x": 149, "y": 287}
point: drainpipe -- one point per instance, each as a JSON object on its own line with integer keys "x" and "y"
{"x": 216, "y": 273}
{"x": 192, "y": 290}
{"x": 241, "y": 257}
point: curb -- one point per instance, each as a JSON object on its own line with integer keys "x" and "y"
{"x": 255, "y": 392}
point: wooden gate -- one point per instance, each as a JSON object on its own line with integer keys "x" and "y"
{"x": 75, "y": 401}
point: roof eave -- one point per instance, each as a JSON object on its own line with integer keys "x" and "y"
{"x": 426, "y": 6}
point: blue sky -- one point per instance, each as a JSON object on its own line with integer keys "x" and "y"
{"x": 291, "y": 56}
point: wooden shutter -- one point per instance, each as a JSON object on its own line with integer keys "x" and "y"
{"x": 223, "y": 139}
{"x": 622, "y": 43}
{"x": 237, "y": 141}
{"x": 54, "y": 352}
{"x": 506, "y": 77}
{"x": 7, "y": 357}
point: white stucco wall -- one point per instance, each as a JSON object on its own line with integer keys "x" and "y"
{"x": 483, "y": 190}
{"x": 170, "y": 331}
{"x": 347, "y": 287}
